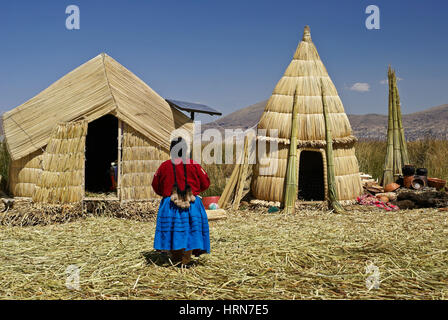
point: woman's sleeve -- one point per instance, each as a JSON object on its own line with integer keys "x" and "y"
{"x": 203, "y": 178}
{"x": 157, "y": 183}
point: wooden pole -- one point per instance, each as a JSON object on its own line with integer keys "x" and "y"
{"x": 332, "y": 196}
{"x": 120, "y": 133}
{"x": 292, "y": 171}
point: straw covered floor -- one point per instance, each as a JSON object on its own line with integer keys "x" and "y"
{"x": 255, "y": 255}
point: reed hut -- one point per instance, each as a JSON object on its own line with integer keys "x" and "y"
{"x": 302, "y": 83}
{"x": 62, "y": 142}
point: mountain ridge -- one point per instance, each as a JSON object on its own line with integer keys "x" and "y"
{"x": 431, "y": 122}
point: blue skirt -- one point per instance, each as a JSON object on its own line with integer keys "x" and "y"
{"x": 182, "y": 228}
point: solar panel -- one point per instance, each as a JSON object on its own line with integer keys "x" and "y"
{"x": 193, "y": 107}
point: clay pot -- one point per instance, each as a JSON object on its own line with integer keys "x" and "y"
{"x": 391, "y": 187}
{"x": 407, "y": 181}
{"x": 418, "y": 183}
{"x": 408, "y": 170}
{"x": 421, "y": 172}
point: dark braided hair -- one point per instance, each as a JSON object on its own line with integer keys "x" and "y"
{"x": 178, "y": 149}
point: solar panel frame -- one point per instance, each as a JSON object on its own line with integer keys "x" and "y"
{"x": 193, "y": 107}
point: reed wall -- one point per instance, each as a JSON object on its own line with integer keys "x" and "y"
{"x": 62, "y": 178}
{"x": 270, "y": 185}
{"x": 140, "y": 160}
{"x": 24, "y": 174}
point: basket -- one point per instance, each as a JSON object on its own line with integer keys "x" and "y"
{"x": 436, "y": 183}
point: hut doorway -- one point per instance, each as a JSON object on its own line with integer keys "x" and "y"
{"x": 311, "y": 176}
{"x": 101, "y": 151}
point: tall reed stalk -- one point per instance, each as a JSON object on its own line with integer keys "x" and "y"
{"x": 332, "y": 196}
{"x": 291, "y": 186}
{"x": 403, "y": 144}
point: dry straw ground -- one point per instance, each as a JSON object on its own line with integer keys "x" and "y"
{"x": 255, "y": 255}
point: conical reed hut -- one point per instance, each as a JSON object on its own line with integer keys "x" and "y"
{"x": 62, "y": 142}
{"x": 302, "y": 83}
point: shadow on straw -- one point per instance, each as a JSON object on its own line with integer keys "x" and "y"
{"x": 158, "y": 258}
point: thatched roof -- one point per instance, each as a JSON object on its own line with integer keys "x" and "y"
{"x": 98, "y": 87}
{"x": 303, "y": 76}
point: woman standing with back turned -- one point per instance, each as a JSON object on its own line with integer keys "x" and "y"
{"x": 182, "y": 223}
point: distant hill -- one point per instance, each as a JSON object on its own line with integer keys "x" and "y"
{"x": 432, "y": 122}
{"x": 243, "y": 118}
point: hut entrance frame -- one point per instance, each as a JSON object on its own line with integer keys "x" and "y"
{"x": 102, "y": 148}
{"x": 312, "y": 175}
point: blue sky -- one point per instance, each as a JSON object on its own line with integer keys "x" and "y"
{"x": 230, "y": 54}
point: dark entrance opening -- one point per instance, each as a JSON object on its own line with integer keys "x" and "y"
{"x": 311, "y": 176}
{"x": 101, "y": 151}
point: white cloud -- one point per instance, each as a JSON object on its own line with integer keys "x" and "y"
{"x": 360, "y": 87}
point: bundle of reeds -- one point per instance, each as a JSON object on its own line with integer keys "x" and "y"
{"x": 396, "y": 151}
{"x": 332, "y": 196}
{"x": 62, "y": 178}
{"x": 234, "y": 188}
{"x": 291, "y": 184}
{"x": 25, "y": 174}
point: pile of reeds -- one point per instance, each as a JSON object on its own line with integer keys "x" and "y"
{"x": 133, "y": 210}
{"x": 26, "y": 213}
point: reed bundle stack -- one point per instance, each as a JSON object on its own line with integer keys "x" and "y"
{"x": 62, "y": 178}
{"x": 397, "y": 151}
